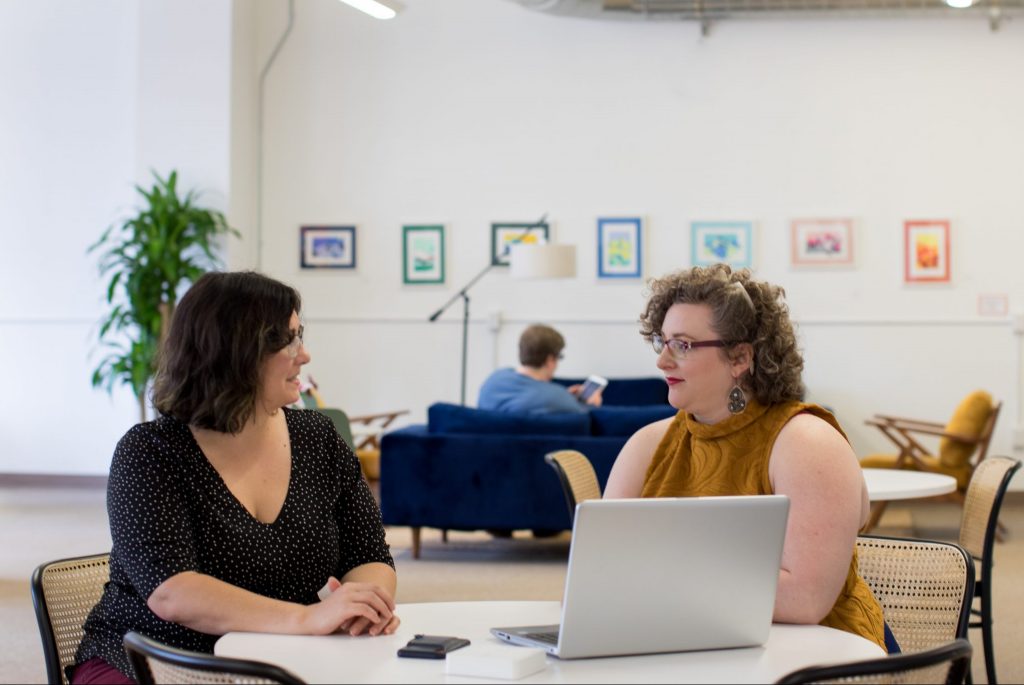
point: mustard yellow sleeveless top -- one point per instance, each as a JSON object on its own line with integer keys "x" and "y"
{"x": 731, "y": 458}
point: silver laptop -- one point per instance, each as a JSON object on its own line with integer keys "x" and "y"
{"x": 666, "y": 575}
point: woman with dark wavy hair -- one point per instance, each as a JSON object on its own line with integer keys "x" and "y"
{"x": 728, "y": 351}
{"x": 233, "y": 512}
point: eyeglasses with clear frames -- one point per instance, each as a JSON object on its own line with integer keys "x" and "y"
{"x": 295, "y": 344}
{"x": 678, "y": 348}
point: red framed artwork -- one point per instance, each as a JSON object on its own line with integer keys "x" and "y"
{"x": 926, "y": 251}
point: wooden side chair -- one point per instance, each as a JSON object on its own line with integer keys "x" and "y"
{"x": 978, "y": 530}
{"x": 924, "y": 588}
{"x": 963, "y": 443}
{"x": 948, "y": 663}
{"x": 63, "y": 594}
{"x": 362, "y": 434}
{"x": 367, "y": 430}
{"x": 577, "y": 476}
{"x": 158, "y": 664}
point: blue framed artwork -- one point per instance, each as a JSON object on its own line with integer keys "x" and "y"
{"x": 619, "y": 248}
{"x": 726, "y": 242}
{"x": 327, "y": 247}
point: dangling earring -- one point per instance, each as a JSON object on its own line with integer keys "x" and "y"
{"x": 737, "y": 400}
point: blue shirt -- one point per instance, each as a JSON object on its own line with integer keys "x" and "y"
{"x": 510, "y": 391}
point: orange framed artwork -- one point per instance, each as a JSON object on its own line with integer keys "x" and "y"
{"x": 926, "y": 258}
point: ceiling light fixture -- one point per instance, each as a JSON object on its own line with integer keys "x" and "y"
{"x": 375, "y": 8}
{"x": 960, "y": 4}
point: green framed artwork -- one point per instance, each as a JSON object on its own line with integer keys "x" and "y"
{"x": 423, "y": 254}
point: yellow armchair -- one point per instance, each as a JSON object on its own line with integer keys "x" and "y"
{"x": 962, "y": 443}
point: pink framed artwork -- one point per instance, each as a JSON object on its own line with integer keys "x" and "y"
{"x": 926, "y": 251}
{"x": 822, "y": 242}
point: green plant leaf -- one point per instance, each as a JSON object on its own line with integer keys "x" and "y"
{"x": 150, "y": 256}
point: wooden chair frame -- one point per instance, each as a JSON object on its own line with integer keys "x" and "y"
{"x": 194, "y": 667}
{"x": 577, "y": 476}
{"x": 376, "y": 422}
{"x": 957, "y": 654}
{"x": 924, "y": 587}
{"x": 901, "y": 432}
{"x": 63, "y": 594}
{"x": 979, "y": 529}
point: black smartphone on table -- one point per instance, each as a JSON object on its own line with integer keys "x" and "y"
{"x": 431, "y": 646}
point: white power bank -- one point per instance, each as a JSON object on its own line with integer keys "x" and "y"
{"x": 495, "y": 661}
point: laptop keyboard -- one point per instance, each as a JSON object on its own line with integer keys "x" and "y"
{"x": 547, "y": 638}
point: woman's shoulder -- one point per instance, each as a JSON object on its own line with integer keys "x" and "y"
{"x": 307, "y": 418}
{"x": 151, "y": 443}
{"x": 160, "y": 430}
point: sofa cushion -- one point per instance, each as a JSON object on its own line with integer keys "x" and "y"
{"x": 626, "y": 420}
{"x": 968, "y": 419}
{"x": 452, "y": 418}
{"x": 628, "y": 391}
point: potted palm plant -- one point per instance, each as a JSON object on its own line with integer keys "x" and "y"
{"x": 168, "y": 242}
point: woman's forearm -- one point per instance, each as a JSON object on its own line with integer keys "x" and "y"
{"x": 211, "y": 606}
{"x": 375, "y": 572}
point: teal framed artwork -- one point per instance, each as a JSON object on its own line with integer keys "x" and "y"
{"x": 423, "y": 254}
{"x": 726, "y": 242}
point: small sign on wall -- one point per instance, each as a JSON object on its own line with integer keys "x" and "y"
{"x": 993, "y": 304}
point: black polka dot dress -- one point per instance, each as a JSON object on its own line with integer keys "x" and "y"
{"x": 170, "y": 512}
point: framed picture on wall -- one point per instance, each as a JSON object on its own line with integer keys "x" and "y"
{"x": 926, "y": 251}
{"x": 327, "y": 247}
{"x": 618, "y": 248}
{"x": 503, "y": 236}
{"x": 423, "y": 254}
{"x": 822, "y": 242}
{"x": 728, "y": 242}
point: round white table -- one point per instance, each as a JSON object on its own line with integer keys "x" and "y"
{"x": 890, "y": 484}
{"x": 343, "y": 659}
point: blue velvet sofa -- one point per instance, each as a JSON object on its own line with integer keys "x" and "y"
{"x": 468, "y": 469}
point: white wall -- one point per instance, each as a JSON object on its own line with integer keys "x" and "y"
{"x": 471, "y": 111}
{"x": 467, "y": 112}
{"x": 96, "y": 93}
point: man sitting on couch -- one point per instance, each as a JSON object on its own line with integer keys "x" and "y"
{"x": 528, "y": 388}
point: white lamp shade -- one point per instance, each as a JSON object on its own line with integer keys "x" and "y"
{"x": 542, "y": 261}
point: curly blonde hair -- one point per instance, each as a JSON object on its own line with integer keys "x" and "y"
{"x": 743, "y": 310}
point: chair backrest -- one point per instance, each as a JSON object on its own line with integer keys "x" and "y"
{"x": 341, "y": 423}
{"x": 975, "y": 416}
{"x": 63, "y": 594}
{"x": 948, "y": 663}
{"x": 982, "y": 502}
{"x": 155, "y": 663}
{"x": 924, "y": 587}
{"x": 577, "y": 476}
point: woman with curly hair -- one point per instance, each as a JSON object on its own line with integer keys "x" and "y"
{"x": 728, "y": 351}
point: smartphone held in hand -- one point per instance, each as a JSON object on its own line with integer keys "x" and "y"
{"x": 590, "y": 386}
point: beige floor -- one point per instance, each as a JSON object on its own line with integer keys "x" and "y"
{"x": 45, "y": 524}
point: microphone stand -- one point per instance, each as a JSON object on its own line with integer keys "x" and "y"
{"x": 464, "y": 294}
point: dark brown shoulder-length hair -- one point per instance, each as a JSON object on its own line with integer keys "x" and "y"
{"x": 743, "y": 310}
{"x": 208, "y": 369}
